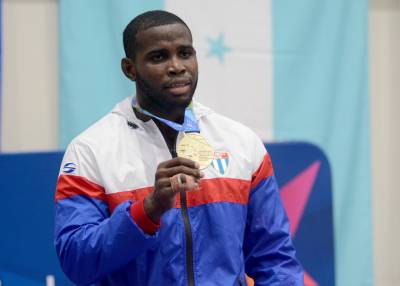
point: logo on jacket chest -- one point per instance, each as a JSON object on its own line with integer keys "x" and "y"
{"x": 221, "y": 162}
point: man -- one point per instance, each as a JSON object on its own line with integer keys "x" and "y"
{"x": 132, "y": 208}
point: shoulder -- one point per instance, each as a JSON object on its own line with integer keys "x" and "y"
{"x": 223, "y": 124}
{"x": 229, "y": 135}
{"x": 105, "y": 131}
{"x": 96, "y": 145}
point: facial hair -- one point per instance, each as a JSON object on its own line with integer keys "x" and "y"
{"x": 155, "y": 98}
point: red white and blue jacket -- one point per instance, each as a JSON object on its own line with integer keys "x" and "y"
{"x": 233, "y": 224}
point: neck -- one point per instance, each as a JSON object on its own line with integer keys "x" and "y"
{"x": 168, "y": 133}
{"x": 172, "y": 113}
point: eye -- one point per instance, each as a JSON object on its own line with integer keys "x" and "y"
{"x": 156, "y": 58}
{"x": 187, "y": 53}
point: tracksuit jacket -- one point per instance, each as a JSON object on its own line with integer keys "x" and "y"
{"x": 233, "y": 224}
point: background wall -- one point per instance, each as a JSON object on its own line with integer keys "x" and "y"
{"x": 385, "y": 116}
{"x": 30, "y": 104}
{"x": 30, "y": 74}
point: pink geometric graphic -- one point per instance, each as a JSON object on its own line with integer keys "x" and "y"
{"x": 308, "y": 281}
{"x": 295, "y": 195}
{"x": 296, "y": 192}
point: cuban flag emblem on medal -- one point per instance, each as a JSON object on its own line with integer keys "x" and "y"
{"x": 220, "y": 162}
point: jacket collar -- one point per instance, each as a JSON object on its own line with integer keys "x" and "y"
{"x": 124, "y": 108}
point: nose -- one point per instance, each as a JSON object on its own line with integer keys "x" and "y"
{"x": 176, "y": 66}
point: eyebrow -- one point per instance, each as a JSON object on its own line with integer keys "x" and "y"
{"x": 162, "y": 50}
{"x": 156, "y": 51}
{"x": 187, "y": 47}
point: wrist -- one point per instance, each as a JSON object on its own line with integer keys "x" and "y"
{"x": 142, "y": 219}
{"x": 152, "y": 209}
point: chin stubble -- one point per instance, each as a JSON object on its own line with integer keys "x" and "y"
{"x": 154, "y": 98}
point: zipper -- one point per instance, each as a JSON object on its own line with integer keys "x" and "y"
{"x": 189, "y": 240}
{"x": 188, "y": 233}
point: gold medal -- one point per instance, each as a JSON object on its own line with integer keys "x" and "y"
{"x": 194, "y": 146}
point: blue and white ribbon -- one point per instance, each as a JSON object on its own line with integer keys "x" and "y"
{"x": 189, "y": 122}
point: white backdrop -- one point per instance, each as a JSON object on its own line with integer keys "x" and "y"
{"x": 385, "y": 116}
{"x": 30, "y": 75}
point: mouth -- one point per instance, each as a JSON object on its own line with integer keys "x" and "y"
{"x": 178, "y": 87}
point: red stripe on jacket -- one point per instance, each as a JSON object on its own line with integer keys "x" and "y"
{"x": 115, "y": 199}
{"x": 264, "y": 171}
{"x": 219, "y": 190}
{"x": 69, "y": 185}
{"x": 210, "y": 191}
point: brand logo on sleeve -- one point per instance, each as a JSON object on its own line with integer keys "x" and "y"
{"x": 69, "y": 168}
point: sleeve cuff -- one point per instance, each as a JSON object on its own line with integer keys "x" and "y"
{"x": 141, "y": 218}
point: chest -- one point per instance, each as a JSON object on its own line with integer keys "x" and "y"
{"x": 129, "y": 163}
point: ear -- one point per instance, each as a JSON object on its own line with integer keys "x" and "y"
{"x": 128, "y": 67}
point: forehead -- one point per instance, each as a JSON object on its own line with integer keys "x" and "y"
{"x": 157, "y": 36}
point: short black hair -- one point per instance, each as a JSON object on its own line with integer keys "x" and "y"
{"x": 143, "y": 22}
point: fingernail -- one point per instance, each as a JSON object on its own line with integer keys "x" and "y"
{"x": 201, "y": 174}
{"x": 196, "y": 165}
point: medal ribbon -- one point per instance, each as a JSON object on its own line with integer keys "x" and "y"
{"x": 189, "y": 122}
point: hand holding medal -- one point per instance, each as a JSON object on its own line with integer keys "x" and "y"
{"x": 171, "y": 177}
{"x": 193, "y": 146}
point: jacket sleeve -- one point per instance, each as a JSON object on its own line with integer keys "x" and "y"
{"x": 268, "y": 248}
{"x": 90, "y": 242}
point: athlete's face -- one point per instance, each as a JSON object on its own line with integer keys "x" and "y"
{"x": 165, "y": 66}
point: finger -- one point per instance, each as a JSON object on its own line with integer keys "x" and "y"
{"x": 182, "y": 182}
{"x": 176, "y": 183}
{"x": 180, "y": 161}
{"x": 169, "y": 172}
{"x": 163, "y": 182}
{"x": 168, "y": 192}
{"x": 190, "y": 183}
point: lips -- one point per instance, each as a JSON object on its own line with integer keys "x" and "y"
{"x": 177, "y": 83}
{"x": 178, "y": 86}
